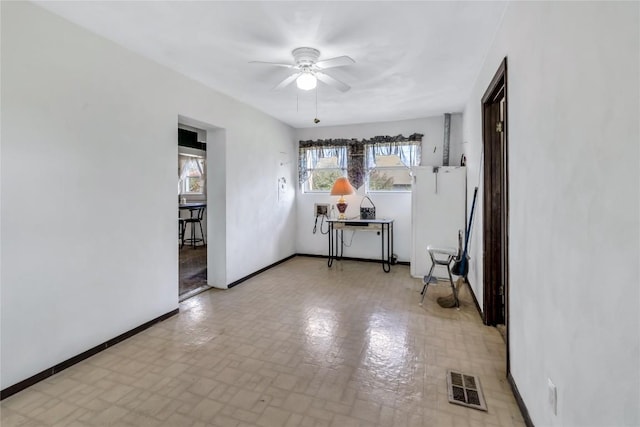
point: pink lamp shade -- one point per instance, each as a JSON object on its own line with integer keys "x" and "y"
{"x": 342, "y": 187}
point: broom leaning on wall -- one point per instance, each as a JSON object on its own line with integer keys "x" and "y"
{"x": 461, "y": 265}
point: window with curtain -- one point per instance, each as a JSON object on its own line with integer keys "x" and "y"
{"x": 384, "y": 163}
{"x": 320, "y": 165}
{"x": 388, "y": 162}
{"x": 192, "y": 175}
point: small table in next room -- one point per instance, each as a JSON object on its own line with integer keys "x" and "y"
{"x": 384, "y": 227}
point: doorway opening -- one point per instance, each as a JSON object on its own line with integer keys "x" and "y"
{"x": 496, "y": 204}
{"x": 192, "y": 205}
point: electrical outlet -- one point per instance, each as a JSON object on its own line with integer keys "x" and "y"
{"x": 553, "y": 396}
{"x": 320, "y": 209}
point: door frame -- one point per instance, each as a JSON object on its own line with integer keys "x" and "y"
{"x": 496, "y": 203}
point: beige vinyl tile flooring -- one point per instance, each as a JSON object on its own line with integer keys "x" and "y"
{"x": 298, "y": 345}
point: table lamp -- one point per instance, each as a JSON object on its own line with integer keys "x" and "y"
{"x": 341, "y": 188}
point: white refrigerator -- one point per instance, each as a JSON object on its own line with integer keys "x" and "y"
{"x": 438, "y": 211}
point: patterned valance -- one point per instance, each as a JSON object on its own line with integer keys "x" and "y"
{"x": 360, "y": 153}
{"x": 327, "y": 143}
{"x": 417, "y": 137}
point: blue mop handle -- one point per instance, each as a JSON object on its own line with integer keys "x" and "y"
{"x": 466, "y": 240}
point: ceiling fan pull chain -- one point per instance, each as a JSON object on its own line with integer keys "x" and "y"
{"x": 316, "y": 120}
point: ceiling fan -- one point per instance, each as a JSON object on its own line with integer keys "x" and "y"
{"x": 308, "y": 70}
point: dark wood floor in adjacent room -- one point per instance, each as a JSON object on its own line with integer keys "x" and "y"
{"x": 192, "y": 268}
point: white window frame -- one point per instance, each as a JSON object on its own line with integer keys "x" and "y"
{"x": 392, "y": 190}
{"x": 404, "y": 168}
{"x": 183, "y": 183}
{"x": 307, "y": 186}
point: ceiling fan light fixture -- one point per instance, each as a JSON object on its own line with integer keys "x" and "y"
{"x": 307, "y": 70}
{"x": 306, "y": 81}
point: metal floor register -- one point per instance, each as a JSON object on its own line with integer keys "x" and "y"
{"x": 464, "y": 389}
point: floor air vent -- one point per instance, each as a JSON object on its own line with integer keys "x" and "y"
{"x": 465, "y": 390}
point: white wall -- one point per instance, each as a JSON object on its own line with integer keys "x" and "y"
{"x": 388, "y": 205}
{"x": 88, "y": 219}
{"x": 574, "y": 220}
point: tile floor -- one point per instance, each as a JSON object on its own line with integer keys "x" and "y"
{"x": 299, "y": 345}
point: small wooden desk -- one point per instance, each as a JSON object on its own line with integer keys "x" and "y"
{"x": 383, "y": 226}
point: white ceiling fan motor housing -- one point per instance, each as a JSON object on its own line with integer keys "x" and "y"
{"x": 305, "y": 56}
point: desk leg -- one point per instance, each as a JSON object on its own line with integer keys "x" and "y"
{"x": 386, "y": 261}
{"x": 336, "y": 248}
{"x": 391, "y": 234}
{"x": 331, "y": 238}
{"x": 390, "y": 242}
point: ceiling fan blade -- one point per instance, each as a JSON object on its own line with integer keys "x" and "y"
{"x": 339, "y": 61}
{"x": 277, "y": 64}
{"x": 287, "y": 81}
{"x": 325, "y": 78}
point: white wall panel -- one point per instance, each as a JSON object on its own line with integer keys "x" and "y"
{"x": 573, "y": 206}
{"x": 89, "y": 204}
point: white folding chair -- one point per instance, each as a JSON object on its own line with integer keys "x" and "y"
{"x": 443, "y": 257}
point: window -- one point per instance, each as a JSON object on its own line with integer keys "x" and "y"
{"x": 324, "y": 175}
{"x": 390, "y": 174}
{"x": 383, "y": 163}
{"x": 321, "y": 166}
{"x": 389, "y": 165}
{"x": 192, "y": 174}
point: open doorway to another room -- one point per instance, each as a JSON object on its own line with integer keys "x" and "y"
{"x": 192, "y": 205}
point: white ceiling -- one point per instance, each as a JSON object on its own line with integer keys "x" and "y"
{"x": 413, "y": 59}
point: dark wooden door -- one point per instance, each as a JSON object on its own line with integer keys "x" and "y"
{"x": 495, "y": 200}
